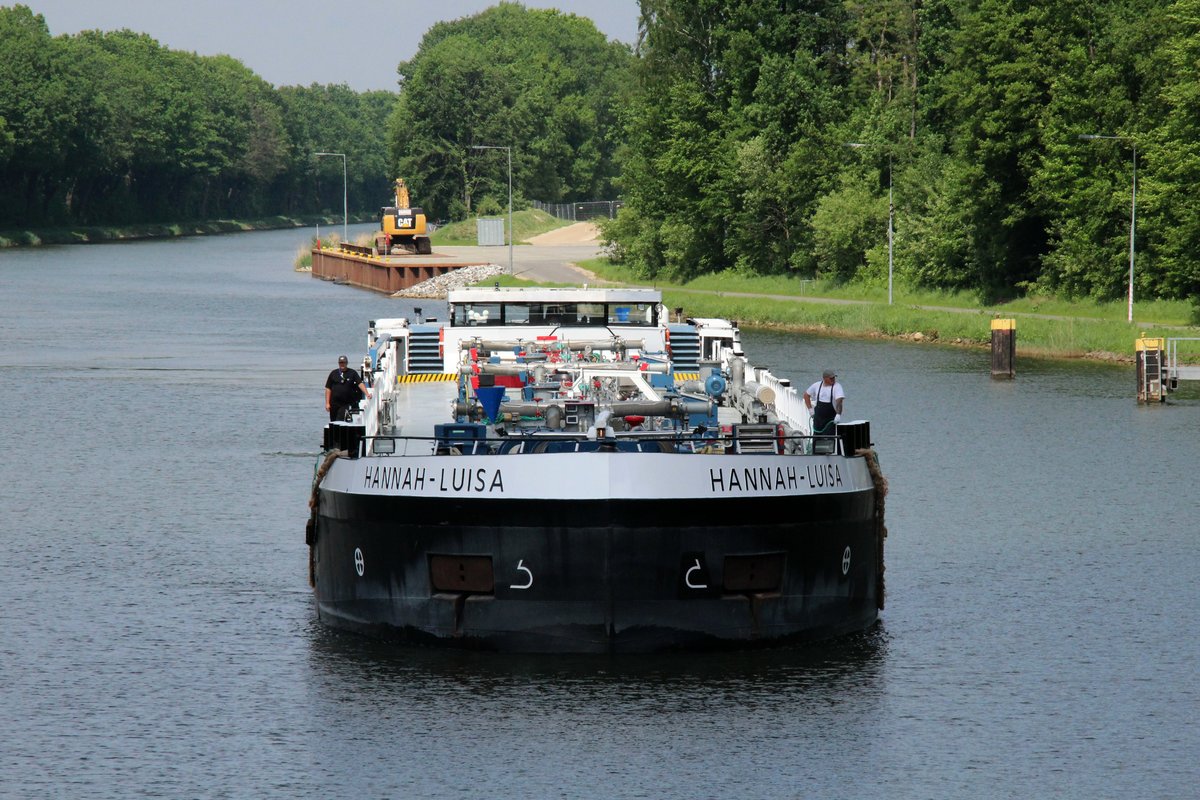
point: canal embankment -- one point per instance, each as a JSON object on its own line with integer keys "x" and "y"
{"x": 93, "y": 234}
{"x": 1045, "y": 327}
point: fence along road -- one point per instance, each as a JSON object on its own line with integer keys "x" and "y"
{"x": 578, "y": 212}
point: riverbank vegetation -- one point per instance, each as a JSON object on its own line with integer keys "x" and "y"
{"x": 112, "y": 130}
{"x": 768, "y": 139}
{"x": 89, "y": 234}
{"x": 1083, "y": 328}
{"x": 757, "y": 139}
{"x": 747, "y": 141}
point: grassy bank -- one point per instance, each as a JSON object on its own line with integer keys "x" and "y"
{"x": 1070, "y": 337}
{"x": 1045, "y": 326}
{"x": 84, "y": 234}
{"x": 526, "y": 224}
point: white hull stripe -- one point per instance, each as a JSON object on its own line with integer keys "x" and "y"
{"x": 598, "y": 476}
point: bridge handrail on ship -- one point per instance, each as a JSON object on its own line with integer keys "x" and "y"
{"x": 761, "y": 443}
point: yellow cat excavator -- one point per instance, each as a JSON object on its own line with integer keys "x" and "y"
{"x": 402, "y": 226}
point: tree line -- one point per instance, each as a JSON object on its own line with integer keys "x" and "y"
{"x": 113, "y": 128}
{"x": 761, "y": 136}
{"x": 104, "y": 128}
{"x": 546, "y": 84}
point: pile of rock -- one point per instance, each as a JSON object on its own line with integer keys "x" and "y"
{"x": 455, "y": 279}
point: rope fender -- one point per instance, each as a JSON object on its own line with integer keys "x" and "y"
{"x": 881, "y": 490}
{"x": 314, "y": 501}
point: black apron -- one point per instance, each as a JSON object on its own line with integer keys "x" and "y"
{"x": 823, "y": 412}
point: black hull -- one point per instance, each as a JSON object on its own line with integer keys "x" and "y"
{"x": 598, "y": 576}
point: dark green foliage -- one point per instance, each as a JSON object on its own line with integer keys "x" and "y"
{"x": 112, "y": 128}
{"x": 543, "y": 82}
{"x": 727, "y": 136}
{"x": 733, "y": 107}
{"x": 335, "y": 119}
{"x": 1169, "y": 165}
{"x": 738, "y": 129}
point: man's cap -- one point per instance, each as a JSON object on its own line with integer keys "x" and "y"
{"x": 829, "y": 374}
{"x": 343, "y": 359}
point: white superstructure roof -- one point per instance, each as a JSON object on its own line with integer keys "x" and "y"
{"x": 546, "y": 295}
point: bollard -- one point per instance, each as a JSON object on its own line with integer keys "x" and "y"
{"x": 1151, "y": 388}
{"x": 1004, "y": 349}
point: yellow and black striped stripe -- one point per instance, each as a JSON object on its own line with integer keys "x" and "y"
{"x": 450, "y": 376}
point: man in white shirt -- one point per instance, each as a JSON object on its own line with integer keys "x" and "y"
{"x": 824, "y": 398}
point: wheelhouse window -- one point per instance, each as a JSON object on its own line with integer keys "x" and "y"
{"x": 469, "y": 314}
{"x": 632, "y": 314}
{"x": 554, "y": 314}
{"x": 589, "y": 313}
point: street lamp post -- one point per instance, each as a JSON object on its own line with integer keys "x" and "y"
{"x": 345, "y": 194}
{"x": 1132, "y": 206}
{"x": 508, "y": 150}
{"x": 891, "y": 215}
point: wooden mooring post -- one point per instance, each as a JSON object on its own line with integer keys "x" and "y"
{"x": 1004, "y": 349}
{"x": 1151, "y": 388}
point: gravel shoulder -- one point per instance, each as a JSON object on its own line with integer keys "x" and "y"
{"x": 580, "y": 233}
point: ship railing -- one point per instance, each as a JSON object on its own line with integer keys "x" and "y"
{"x": 779, "y": 444}
{"x": 1173, "y": 369}
{"x": 381, "y": 382}
{"x": 789, "y": 404}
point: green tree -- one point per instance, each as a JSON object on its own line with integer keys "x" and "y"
{"x": 542, "y": 82}
{"x": 728, "y": 132}
{"x": 105, "y": 128}
{"x": 1171, "y": 153}
{"x": 334, "y": 118}
{"x": 843, "y": 232}
{"x": 40, "y": 114}
{"x": 1103, "y": 84}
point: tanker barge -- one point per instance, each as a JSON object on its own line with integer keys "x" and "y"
{"x": 566, "y": 470}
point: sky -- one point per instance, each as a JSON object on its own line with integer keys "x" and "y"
{"x": 355, "y": 42}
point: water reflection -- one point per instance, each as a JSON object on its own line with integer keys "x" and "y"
{"x": 466, "y": 724}
{"x": 340, "y": 660}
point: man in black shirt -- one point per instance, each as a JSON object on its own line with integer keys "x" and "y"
{"x": 343, "y": 388}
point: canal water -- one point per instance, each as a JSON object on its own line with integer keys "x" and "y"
{"x": 163, "y": 406}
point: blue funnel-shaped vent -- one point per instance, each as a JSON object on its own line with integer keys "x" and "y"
{"x": 489, "y": 398}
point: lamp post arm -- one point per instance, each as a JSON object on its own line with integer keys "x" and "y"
{"x": 510, "y": 217}
{"x": 891, "y": 229}
{"x": 1132, "y": 205}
